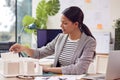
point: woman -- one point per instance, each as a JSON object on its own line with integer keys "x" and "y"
{"x": 74, "y": 49}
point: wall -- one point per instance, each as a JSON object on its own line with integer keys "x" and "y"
{"x": 54, "y": 21}
{"x": 115, "y": 11}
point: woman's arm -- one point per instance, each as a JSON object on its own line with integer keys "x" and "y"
{"x": 28, "y": 51}
{"x": 56, "y": 70}
{"x": 47, "y": 50}
{"x": 16, "y": 48}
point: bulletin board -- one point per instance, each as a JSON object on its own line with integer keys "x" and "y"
{"x": 96, "y": 12}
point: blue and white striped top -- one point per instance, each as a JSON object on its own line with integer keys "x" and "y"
{"x": 67, "y": 52}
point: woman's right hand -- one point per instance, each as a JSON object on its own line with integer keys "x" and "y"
{"x": 16, "y": 48}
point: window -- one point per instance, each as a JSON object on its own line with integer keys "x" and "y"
{"x": 12, "y": 13}
{"x": 24, "y": 7}
{"x": 7, "y": 21}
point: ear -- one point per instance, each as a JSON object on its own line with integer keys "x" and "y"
{"x": 76, "y": 24}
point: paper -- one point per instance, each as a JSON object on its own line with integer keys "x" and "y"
{"x": 63, "y": 77}
{"x": 88, "y": 1}
{"x": 99, "y": 26}
{"x": 103, "y": 42}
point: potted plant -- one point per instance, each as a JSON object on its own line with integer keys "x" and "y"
{"x": 44, "y": 9}
{"x": 117, "y": 34}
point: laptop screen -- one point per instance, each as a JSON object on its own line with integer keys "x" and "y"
{"x": 113, "y": 67}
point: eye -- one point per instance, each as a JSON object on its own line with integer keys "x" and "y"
{"x": 65, "y": 23}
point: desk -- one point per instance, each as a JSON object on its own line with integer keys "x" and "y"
{"x": 15, "y": 78}
{"x": 48, "y": 64}
{"x": 74, "y": 77}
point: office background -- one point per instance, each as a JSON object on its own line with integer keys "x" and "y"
{"x": 99, "y": 15}
{"x": 112, "y": 13}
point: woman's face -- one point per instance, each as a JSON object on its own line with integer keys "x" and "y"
{"x": 67, "y": 26}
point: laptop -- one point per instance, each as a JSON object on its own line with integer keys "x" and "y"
{"x": 113, "y": 67}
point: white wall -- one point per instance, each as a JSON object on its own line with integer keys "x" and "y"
{"x": 54, "y": 21}
{"x": 115, "y": 11}
{"x": 34, "y": 5}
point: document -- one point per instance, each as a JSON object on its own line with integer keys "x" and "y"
{"x": 62, "y": 77}
{"x": 103, "y": 42}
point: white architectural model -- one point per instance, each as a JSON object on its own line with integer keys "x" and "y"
{"x": 12, "y": 65}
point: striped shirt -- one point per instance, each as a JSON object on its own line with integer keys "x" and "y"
{"x": 67, "y": 52}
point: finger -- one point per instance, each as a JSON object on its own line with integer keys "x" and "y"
{"x": 11, "y": 49}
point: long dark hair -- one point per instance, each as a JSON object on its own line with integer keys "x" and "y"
{"x": 75, "y": 14}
